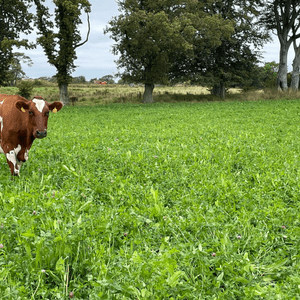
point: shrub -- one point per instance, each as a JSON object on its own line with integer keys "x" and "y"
{"x": 37, "y": 82}
{"x": 25, "y": 89}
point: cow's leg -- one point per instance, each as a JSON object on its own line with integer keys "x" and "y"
{"x": 1, "y": 150}
{"x": 22, "y": 157}
{"x": 11, "y": 157}
{"x": 12, "y": 162}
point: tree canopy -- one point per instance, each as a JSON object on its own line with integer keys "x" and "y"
{"x": 232, "y": 61}
{"x": 15, "y": 19}
{"x": 15, "y": 71}
{"x": 60, "y": 46}
{"x": 149, "y": 36}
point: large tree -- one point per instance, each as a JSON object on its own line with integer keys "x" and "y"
{"x": 15, "y": 19}
{"x": 233, "y": 61}
{"x": 150, "y": 35}
{"x": 60, "y": 37}
{"x": 282, "y": 16}
{"x": 296, "y": 61}
{"x": 296, "y": 68}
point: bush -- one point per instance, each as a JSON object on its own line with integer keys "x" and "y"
{"x": 25, "y": 89}
{"x": 37, "y": 82}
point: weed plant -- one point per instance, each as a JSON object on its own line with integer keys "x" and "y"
{"x": 162, "y": 201}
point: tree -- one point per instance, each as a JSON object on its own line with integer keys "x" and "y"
{"x": 14, "y": 20}
{"x": 79, "y": 79}
{"x": 282, "y": 16}
{"x": 296, "y": 61}
{"x": 149, "y": 36}
{"x": 234, "y": 60}
{"x": 108, "y": 78}
{"x": 269, "y": 74}
{"x": 25, "y": 89}
{"x": 15, "y": 71}
{"x": 262, "y": 76}
{"x": 60, "y": 47}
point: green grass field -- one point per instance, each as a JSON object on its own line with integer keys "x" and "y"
{"x": 161, "y": 201}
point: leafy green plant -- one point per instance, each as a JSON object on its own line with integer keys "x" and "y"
{"x": 178, "y": 200}
{"x": 25, "y": 89}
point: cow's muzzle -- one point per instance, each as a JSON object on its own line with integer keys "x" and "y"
{"x": 40, "y": 134}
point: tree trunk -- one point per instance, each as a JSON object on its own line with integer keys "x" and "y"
{"x": 222, "y": 90}
{"x": 296, "y": 69}
{"x": 148, "y": 97}
{"x": 219, "y": 90}
{"x": 282, "y": 72}
{"x": 63, "y": 93}
{"x": 216, "y": 90}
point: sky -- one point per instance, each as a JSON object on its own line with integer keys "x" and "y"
{"x": 95, "y": 58}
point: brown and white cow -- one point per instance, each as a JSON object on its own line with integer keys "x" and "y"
{"x": 21, "y": 122}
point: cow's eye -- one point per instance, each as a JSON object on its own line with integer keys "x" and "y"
{"x": 30, "y": 112}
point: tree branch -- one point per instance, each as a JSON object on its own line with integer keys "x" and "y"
{"x": 88, "y": 33}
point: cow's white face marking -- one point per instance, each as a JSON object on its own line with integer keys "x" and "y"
{"x": 12, "y": 157}
{"x": 39, "y": 104}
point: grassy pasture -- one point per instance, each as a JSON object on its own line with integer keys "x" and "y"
{"x": 94, "y": 94}
{"x": 162, "y": 201}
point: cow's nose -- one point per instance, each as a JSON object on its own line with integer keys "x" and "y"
{"x": 41, "y": 134}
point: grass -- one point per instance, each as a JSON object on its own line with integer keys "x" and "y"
{"x": 162, "y": 201}
{"x": 93, "y": 94}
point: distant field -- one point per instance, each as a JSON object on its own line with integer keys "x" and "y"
{"x": 93, "y": 94}
{"x": 161, "y": 201}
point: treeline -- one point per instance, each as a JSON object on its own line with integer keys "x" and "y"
{"x": 109, "y": 79}
{"x": 213, "y": 43}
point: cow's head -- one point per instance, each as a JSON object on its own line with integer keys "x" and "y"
{"x": 37, "y": 112}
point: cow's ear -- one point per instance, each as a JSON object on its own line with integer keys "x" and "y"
{"x": 22, "y": 105}
{"x": 55, "y": 106}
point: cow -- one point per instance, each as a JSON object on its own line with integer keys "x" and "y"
{"x": 21, "y": 122}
